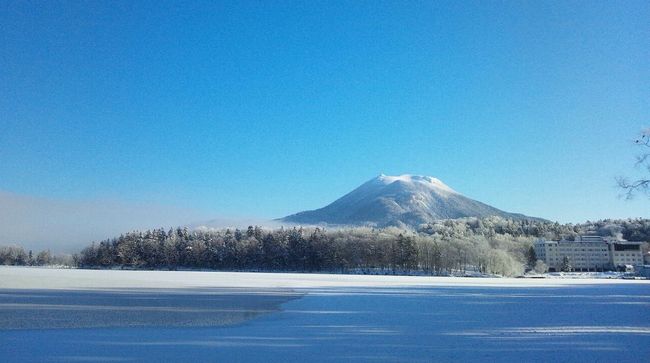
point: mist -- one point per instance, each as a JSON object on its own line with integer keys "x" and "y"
{"x": 68, "y": 225}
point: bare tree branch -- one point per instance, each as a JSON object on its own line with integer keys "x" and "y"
{"x": 630, "y": 188}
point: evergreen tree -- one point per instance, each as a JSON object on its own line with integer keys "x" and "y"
{"x": 531, "y": 257}
{"x": 566, "y": 265}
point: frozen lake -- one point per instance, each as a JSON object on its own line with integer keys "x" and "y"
{"x": 77, "y": 315}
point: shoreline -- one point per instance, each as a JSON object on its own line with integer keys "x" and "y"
{"x": 12, "y": 277}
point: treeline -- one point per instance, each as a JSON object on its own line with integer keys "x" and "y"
{"x": 17, "y": 256}
{"x": 387, "y": 250}
{"x": 629, "y": 229}
{"x": 491, "y": 245}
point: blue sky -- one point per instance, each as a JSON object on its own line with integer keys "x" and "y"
{"x": 262, "y": 109}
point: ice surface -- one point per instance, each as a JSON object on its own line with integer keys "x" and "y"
{"x": 347, "y": 318}
{"x": 47, "y": 309}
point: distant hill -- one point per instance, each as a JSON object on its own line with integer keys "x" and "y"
{"x": 405, "y": 200}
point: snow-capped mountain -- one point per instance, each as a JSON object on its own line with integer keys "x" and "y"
{"x": 397, "y": 201}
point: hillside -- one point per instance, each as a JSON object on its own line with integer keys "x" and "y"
{"x": 402, "y": 200}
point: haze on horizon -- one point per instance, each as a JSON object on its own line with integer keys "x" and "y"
{"x": 132, "y": 115}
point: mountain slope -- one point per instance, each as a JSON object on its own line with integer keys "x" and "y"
{"x": 397, "y": 201}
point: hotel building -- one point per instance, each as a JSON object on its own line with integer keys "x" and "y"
{"x": 589, "y": 253}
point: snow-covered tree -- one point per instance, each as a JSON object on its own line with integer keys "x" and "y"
{"x": 540, "y": 267}
{"x": 566, "y": 265}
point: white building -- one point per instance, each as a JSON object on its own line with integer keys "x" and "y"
{"x": 626, "y": 253}
{"x": 589, "y": 253}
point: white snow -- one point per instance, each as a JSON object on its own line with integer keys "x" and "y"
{"x": 393, "y": 200}
{"x": 428, "y": 181}
{"x": 74, "y": 279}
{"x": 329, "y": 318}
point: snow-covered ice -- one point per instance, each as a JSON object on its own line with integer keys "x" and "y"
{"x": 328, "y": 318}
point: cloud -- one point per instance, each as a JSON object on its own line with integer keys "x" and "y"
{"x": 68, "y": 225}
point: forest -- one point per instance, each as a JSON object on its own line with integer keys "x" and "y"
{"x": 490, "y": 245}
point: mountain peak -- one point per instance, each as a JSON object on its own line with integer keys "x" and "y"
{"x": 428, "y": 181}
{"x": 402, "y": 200}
